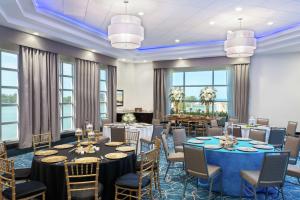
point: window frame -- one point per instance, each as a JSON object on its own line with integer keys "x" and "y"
{"x": 184, "y": 86}
{"x": 101, "y": 68}
{"x": 17, "y": 104}
{"x": 61, "y": 92}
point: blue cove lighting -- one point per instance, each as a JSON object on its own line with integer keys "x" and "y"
{"x": 42, "y": 7}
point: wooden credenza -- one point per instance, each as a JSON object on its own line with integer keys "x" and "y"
{"x": 144, "y": 117}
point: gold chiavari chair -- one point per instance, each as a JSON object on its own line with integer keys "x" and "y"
{"x": 41, "y": 141}
{"x": 132, "y": 138}
{"x": 200, "y": 127}
{"x": 20, "y": 191}
{"x": 82, "y": 180}
{"x": 157, "y": 144}
{"x": 137, "y": 185}
{"x": 3, "y": 151}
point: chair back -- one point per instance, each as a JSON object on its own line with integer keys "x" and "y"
{"x": 7, "y": 177}
{"x": 258, "y": 134}
{"x": 214, "y": 131}
{"x": 262, "y": 121}
{"x": 147, "y": 164}
{"x": 157, "y": 131}
{"x": 157, "y": 144}
{"x": 41, "y": 141}
{"x": 274, "y": 169}
{"x": 117, "y": 134}
{"x": 167, "y": 128}
{"x": 291, "y": 128}
{"x": 82, "y": 177}
{"x": 233, "y": 120}
{"x": 155, "y": 121}
{"x": 132, "y": 138}
{"x": 292, "y": 145}
{"x": 179, "y": 137}
{"x": 195, "y": 161}
{"x": 236, "y": 131}
{"x": 277, "y": 136}
{"x": 214, "y": 123}
{"x": 3, "y": 150}
{"x": 165, "y": 145}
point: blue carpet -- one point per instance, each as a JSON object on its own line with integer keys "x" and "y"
{"x": 173, "y": 186}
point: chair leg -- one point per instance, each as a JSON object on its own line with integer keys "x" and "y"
{"x": 158, "y": 182}
{"x": 254, "y": 190}
{"x": 266, "y": 195}
{"x": 44, "y": 196}
{"x": 211, "y": 182}
{"x": 185, "y": 185}
{"x": 155, "y": 181}
{"x": 167, "y": 170}
{"x": 150, "y": 189}
{"x": 282, "y": 195}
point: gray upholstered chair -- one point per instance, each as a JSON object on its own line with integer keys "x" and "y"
{"x": 196, "y": 167}
{"x": 214, "y": 123}
{"x": 157, "y": 132}
{"x": 294, "y": 171}
{"x": 179, "y": 137}
{"x": 291, "y": 128}
{"x": 262, "y": 121}
{"x": 171, "y": 157}
{"x": 292, "y": 144}
{"x": 258, "y": 134}
{"x": 236, "y": 131}
{"x": 276, "y": 137}
{"x": 233, "y": 120}
{"x": 167, "y": 128}
{"x": 117, "y": 134}
{"x": 272, "y": 173}
{"x": 214, "y": 131}
{"x": 155, "y": 121}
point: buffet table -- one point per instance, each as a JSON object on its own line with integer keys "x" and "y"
{"x": 53, "y": 175}
{"x": 232, "y": 162}
{"x": 145, "y": 130}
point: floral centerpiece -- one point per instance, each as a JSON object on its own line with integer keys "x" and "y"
{"x": 128, "y": 118}
{"x": 207, "y": 97}
{"x": 176, "y": 96}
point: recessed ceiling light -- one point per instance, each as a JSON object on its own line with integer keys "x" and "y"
{"x": 212, "y": 23}
{"x": 180, "y": 58}
{"x": 270, "y": 23}
{"x": 238, "y": 9}
{"x": 141, "y": 13}
{"x": 123, "y": 59}
{"x": 93, "y": 50}
{"x": 35, "y": 33}
{"x": 177, "y": 40}
{"x": 145, "y": 61}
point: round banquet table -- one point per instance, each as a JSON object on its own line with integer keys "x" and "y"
{"x": 53, "y": 175}
{"x": 232, "y": 162}
{"x": 144, "y": 129}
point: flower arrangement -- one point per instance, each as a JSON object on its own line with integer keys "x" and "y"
{"x": 176, "y": 96}
{"x": 207, "y": 97}
{"x": 128, "y": 118}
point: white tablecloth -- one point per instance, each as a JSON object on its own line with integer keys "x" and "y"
{"x": 246, "y": 130}
{"x": 144, "y": 129}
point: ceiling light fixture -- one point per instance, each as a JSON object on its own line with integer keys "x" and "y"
{"x": 35, "y": 33}
{"x": 145, "y": 61}
{"x": 238, "y": 9}
{"x": 141, "y": 13}
{"x": 125, "y": 31}
{"x": 180, "y": 58}
{"x": 270, "y": 23}
{"x": 211, "y": 23}
{"x": 177, "y": 41}
{"x": 240, "y": 43}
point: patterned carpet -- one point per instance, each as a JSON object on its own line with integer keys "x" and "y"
{"x": 172, "y": 188}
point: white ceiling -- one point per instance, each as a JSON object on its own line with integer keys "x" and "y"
{"x": 164, "y": 21}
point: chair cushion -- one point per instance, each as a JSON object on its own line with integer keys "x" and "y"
{"x": 87, "y": 194}
{"x": 176, "y": 157}
{"x": 178, "y": 148}
{"x": 293, "y": 170}
{"x": 250, "y": 176}
{"x": 22, "y": 174}
{"x": 131, "y": 180}
{"x": 213, "y": 170}
{"x": 26, "y": 189}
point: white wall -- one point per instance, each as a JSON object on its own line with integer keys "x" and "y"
{"x": 137, "y": 82}
{"x": 275, "y": 88}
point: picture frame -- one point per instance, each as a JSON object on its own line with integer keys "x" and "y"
{"x": 120, "y": 98}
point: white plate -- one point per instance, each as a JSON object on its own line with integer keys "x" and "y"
{"x": 203, "y": 138}
{"x": 220, "y": 137}
{"x": 196, "y": 141}
{"x": 260, "y": 146}
{"x": 243, "y": 139}
{"x": 247, "y": 149}
{"x": 212, "y": 146}
{"x": 257, "y": 142}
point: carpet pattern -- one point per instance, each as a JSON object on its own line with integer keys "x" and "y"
{"x": 172, "y": 187}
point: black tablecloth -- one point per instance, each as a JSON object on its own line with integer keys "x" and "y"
{"x": 53, "y": 175}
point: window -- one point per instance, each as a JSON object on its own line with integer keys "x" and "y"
{"x": 192, "y": 82}
{"x": 9, "y": 112}
{"x": 66, "y": 90}
{"x": 103, "y": 93}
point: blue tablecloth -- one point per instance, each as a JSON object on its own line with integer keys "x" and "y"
{"x": 232, "y": 162}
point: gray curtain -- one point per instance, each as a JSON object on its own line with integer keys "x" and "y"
{"x": 241, "y": 91}
{"x": 112, "y": 92}
{"x": 87, "y": 93}
{"x": 39, "y": 111}
{"x": 160, "y": 93}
